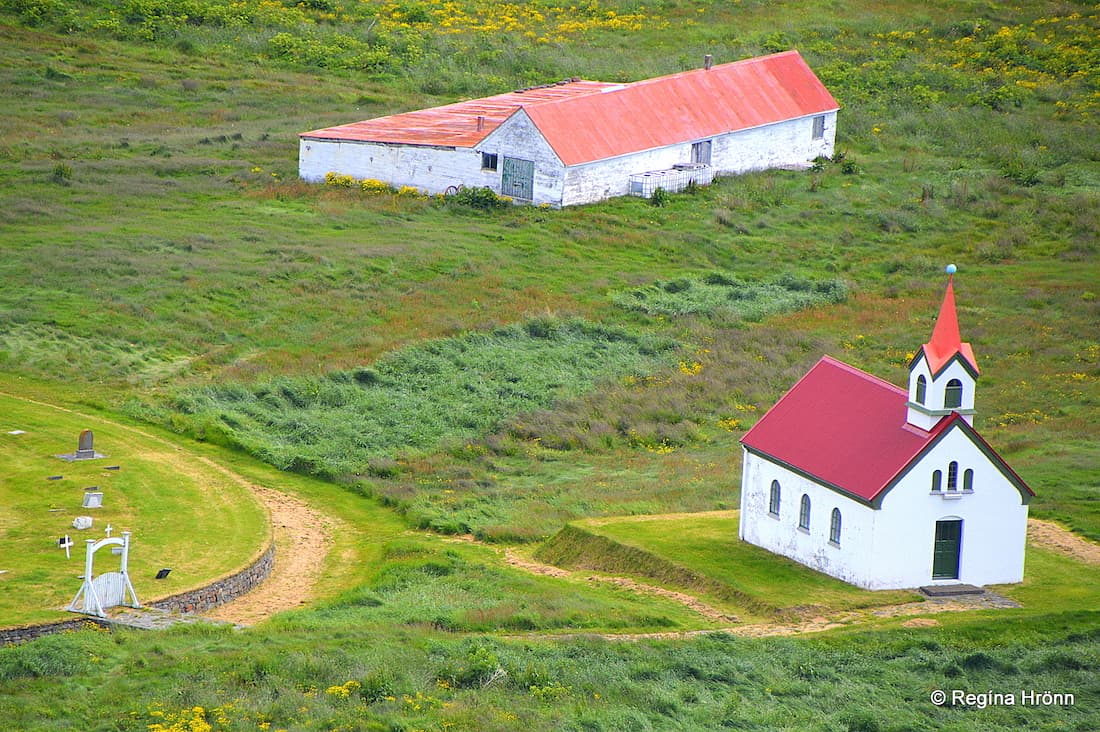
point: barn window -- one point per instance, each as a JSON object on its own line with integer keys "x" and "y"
{"x": 937, "y": 480}
{"x": 834, "y": 527}
{"x": 968, "y": 480}
{"x": 804, "y": 513}
{"x": 700, "y": 152}
{"x": 819, "y": 127}
{"x": 488, "y": 161}
{"x": 953, "y": 476}
{"x": 922, "y": 388}
{"x": 773, "y": 500}
{"x": 953, "y": 394}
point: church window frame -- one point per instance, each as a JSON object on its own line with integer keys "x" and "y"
{"x": 774, "y": 498}
{"x": 953, "y": 476}
{"x": 921, "y": 390}
{"x": 937, "y": 481}
{"x": 804, "y": 513}
{"x": 953, "y": 394}
{"x": 834, "y": 527}
{"x": 968, "y": 481}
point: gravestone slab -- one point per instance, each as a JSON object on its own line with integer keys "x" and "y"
{"x": 82, "y": 522}
{"x": 93, "y": 499}
{"x": 85, "y": 449}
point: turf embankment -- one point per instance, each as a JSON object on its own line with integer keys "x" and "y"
{"x": 575, "y": 547}
{"x": 701, "y": 554}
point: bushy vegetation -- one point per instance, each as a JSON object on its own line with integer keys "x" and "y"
{"x": 409, "y": 401}
{"x": 716, "y": 291}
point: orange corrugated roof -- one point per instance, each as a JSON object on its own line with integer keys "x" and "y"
{"x": 690, "y": 105}
{"x": 587, "y": 120}
{"x": 454, "y": 124}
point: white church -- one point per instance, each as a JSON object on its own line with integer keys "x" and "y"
{"x": 883, "y": 487}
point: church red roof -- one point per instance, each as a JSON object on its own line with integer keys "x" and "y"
{"x": 946, "y": 343}
{"x": 847, "y": 429}
{"x": 843, "y": 427}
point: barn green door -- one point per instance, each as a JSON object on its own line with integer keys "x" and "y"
{"x": 518, "y": 179}
{"x": 945, "y": 557}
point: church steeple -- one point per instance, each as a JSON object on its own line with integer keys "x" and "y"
{"x": 943, "y": 374}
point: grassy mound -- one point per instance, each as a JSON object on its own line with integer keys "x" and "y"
{"x": 701, "y": 554}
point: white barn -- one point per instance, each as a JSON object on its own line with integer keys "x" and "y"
{"x": 883, "y": 487}
{"x": 581, "y": 141}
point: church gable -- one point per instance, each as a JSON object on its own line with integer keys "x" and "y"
{"x": 948, "y": 464}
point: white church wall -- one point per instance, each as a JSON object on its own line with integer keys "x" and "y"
{"x": 849, "y": 561}
{"x": 994, "y": 517}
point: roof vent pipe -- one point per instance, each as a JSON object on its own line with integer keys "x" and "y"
{"x": 480, "y": 123}
{"x": 708, "y": 61}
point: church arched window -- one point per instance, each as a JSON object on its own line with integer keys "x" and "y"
{"x": 968, "y": 480}
{"x": 953, "y": 476}
{"x": 922, "y": 389}
{"x": 937, "y": 480}
{"x": 804, "y": 513}
{"x": 953, "y": 394}
{"x": 773, "y": 499}
{"x": 834, "y": 527}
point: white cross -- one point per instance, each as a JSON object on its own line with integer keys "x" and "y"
{"x": 65, "y": 542}
{"x": 108, "y": 530}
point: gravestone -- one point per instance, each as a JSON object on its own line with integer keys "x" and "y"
{"x": 93, "y": 499}
{"x": 82, "y": 522}
{"x": 85, "y": 448}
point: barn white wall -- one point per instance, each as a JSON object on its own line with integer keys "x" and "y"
{"x": 812, "y": 548}
{"x": 771, "y": 146}
{"x": 518, "y": 137}
{"x": 994, "y": 529}
{"x": 431, "y": 169}
{"x": 434, "y": 169}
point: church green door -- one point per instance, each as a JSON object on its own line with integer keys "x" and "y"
{"x": 945, "y": 556}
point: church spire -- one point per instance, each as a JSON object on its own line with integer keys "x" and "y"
{"x": 946, "y": 343}
{"x": 943, "y": 374}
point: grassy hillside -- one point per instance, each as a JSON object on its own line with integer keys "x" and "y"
{"x": 160, "y": 261}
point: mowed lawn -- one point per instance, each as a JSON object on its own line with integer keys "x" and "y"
{"x": 182, "y": 513}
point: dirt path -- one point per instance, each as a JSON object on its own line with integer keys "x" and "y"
{"x": 1050, "y": 535}
{"x": 303, "y": 538}
{"x": 303, "y": 535}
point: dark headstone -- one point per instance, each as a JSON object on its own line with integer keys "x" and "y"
{"x": 85, "y": 448}
{"x": 54, "y": 477}
{"x": 111, "y": 467}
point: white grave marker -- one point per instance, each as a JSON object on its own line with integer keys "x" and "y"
{"x": 66, "y": 543}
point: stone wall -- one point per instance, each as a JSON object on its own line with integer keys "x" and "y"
{"x": 192, "y": 601}
{"x": 222, "y": 591}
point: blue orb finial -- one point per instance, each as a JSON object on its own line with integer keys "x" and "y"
{"x": 952, "y": 269}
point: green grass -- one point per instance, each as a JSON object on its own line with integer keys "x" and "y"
{"x": 702, "y": 554}
{"x": 182, "y": 513}
{"x": 157, "y": 245}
